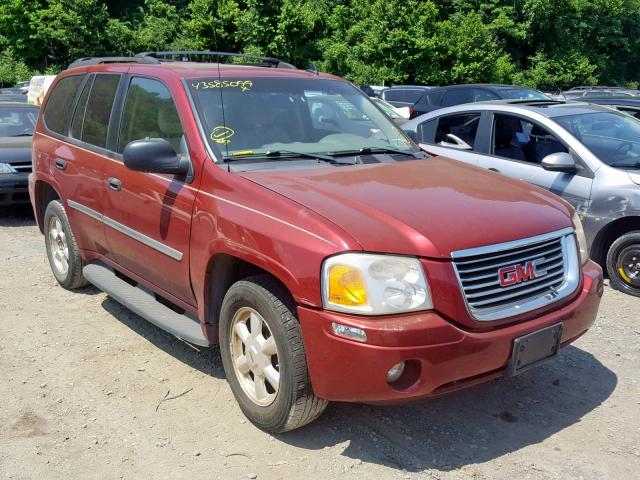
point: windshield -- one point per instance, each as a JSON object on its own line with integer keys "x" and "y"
{"x": 614, "y": 137}
{"x": 306, "y": 115}
{"x": 17, "y": 121}
{"x": 522, "y": 94}
{"x": 387, "y": 108}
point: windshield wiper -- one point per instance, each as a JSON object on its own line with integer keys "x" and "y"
{"x": 635, "y": 165}
{"x": 23, "y": 135}
{"x": 287, "y": 155}
{"x": 370, "y": 150}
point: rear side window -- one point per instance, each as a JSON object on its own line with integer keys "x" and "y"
{"x": 457, "y": 130}
{"x": 458, "y": 96}
{"x": 58, "y": 109}
{"x": 99, "y": 105}
{"x": 149, "y": 112}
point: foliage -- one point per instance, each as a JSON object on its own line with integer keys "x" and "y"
{"x": 543, "y": 43}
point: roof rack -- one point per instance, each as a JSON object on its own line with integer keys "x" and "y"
{"x": 598, "y": 87}
{"x": 85, "y": 61}
{"x": 206, "y": 56}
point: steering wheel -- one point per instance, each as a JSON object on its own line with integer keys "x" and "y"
{"x": 623, "y": 149}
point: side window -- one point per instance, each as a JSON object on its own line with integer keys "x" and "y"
{"x": 78, "y": 116}
{"x": 518, "y": 139}
{"x": 630, "y": 111}
{"x": 482, "y": 95}
{"x": 58, "y": 108}
{"x": 457, "y": 131}
{"x": 98, "y": 112}
{"x": 149, "y": 112}
{"x": 458, "y": 96}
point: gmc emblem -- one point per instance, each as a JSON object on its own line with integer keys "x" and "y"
{"x": 514, "y": 274}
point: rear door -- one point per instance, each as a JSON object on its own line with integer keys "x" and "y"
{"x": 516, "y": 148}
{"x": 75, "y": 167}
{"x": 454, "y": 136}
{"x": 148, "y": 215}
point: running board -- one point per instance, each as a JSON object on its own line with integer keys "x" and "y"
{"x": 143, "y": 302}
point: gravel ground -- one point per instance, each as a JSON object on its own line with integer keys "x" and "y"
{"x": 83, "y": 383}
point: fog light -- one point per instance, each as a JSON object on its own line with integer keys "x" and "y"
{"x": 395, "y": 372}
{"x": 354, "y": 333}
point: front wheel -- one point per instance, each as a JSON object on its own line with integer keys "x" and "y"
{"x": 264, "y": 358}
{"x": 623, "y": 263}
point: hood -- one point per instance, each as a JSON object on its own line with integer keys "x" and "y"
{"x": 427, "y": 208}
{"x": 15, "y": 150}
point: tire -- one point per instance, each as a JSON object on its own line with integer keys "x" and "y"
{"x": 57, "y": 235}
{"x": 293, "y": 404}
{"x": 623, "y": 263}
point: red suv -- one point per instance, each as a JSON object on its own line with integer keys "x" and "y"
{"x": 279, "y": 213}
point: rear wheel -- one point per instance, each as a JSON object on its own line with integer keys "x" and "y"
{"x": 623, "y": 263}
{"x": 62, "y": 250}
{"x": 264, "y": 358}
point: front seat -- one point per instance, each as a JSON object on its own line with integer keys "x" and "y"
{"x": 506, "y": 131}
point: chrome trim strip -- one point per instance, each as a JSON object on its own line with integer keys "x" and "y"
{"x": 130, "y": 232}
{"x": 570, "y": 264}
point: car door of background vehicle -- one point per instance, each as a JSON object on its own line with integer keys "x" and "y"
{"x": 516, "y": 147}
{"x": 149, "y": 215}
{"x": 453, "y": 135}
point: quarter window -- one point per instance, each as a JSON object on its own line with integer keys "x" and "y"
{"x": 58, "y": 108}
{"x": 78, "y": 116}
{"x": 518, "y": 139}
{"x": 99, "y": 106}
{"x": 149, "y": 112}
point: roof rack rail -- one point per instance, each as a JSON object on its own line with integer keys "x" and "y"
{"x": 212, "y": 57}
{"x": 85, "y": 61}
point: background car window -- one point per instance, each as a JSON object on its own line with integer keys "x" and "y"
{"x": 518, "y": 139}
{"x": 78, "y": 116}
{"x": 58, "y": 108}
{"x": 458, "y": 96}
{"x": 481, "y": 95}
{"x": 630, "y": 111}
{"x": 149, "y": 112}
{"x": 463, "y": 127}
{"x": 413, "y": 96}
{"x": 393, "y": 95}
{"x": 17, "y": 121}
{"x": 99, "y": 105}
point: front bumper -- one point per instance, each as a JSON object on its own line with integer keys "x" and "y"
{"x": 14, "y": 189}
{"x": 448, "y": 358}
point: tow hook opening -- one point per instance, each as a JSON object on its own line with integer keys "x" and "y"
{"x": 404, "y": 375}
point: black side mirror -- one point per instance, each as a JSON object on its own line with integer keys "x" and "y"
{"x": 154, "y": 156}
{"x": 559, "y": 162}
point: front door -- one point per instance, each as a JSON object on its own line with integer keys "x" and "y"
{"x": 517, "y": 148}
{"x": 149, "y": 215}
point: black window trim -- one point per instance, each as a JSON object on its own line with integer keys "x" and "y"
{"x": 584, "y": 171}
{"x": 76, "y": 103}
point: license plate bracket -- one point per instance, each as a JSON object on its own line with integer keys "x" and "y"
{"x": 535, "y": 348}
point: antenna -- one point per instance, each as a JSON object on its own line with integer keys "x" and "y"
{"x": 224, "y": 121}
{"x": 313, "y": 68}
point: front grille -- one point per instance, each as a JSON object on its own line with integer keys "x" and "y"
{"x": 552, "y": 257}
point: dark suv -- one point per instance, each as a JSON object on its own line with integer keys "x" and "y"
{"x": 452, "y": 95}
{"x": 279, "y": 213}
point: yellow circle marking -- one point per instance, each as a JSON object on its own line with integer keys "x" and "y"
{"x": 222, "y": 134}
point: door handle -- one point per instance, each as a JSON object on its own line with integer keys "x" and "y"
{"x": 114, "y": 184}
{"x": 60, "y": 163}
{"x": 494, "y": 170}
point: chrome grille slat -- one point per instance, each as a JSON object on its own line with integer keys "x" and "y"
{"x": 555, "y": 259}
{"x": 510, "y": 262}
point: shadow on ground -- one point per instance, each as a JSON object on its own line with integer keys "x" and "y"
{"x": 19, "y": 216}
{"x": 472, "y": 426}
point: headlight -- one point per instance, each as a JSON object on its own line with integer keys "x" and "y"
{"x": 6, "y": 168}
{"x": 581, "y": 239}
{"x": 371, "y": 284}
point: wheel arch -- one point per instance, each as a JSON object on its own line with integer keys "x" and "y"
{"x": 44, "y": 193}
{"x": 607, "y": 235}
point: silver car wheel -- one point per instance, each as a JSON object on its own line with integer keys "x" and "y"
{"x": 59, "y": 246}
{"x": 255, "y": 356}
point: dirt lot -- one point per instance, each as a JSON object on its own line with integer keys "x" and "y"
{"x": 83, "y": 381}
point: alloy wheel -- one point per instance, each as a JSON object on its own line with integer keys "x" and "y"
{"x": 59, "y": 245}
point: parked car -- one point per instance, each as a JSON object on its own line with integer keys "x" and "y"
{"x": 458, "y": 94}
{"x": 368, "y": 90}
{"x": 328, "y": 258}
{"x": 23, "y": 86}
{"x": 587, "y": 154}
{"x": 593, "y": 91}
{"x": 12, "y": 97}
{"x": 398, "y": 114}
{"x": 627, "y": 104}
{"x": 38, "y": 87}
{"x": 17, "y": 121}
{"x": 404, "y": 95}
